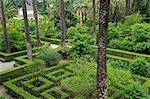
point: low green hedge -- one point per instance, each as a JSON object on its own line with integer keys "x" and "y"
{"x": 27, "y": 66}
{"x": 57, "y": 92}
{"x": 126, "y": 54}
{"x": 26, "y": 84}
{"x": 11, "y": 56}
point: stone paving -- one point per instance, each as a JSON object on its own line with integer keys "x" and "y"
{"x": 7, "y": 65}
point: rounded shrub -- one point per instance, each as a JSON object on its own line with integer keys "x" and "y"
{"x": 140, "y": 67}
{"x": 49, "y": 56}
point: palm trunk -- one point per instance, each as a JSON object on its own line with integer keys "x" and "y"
{"x": 81, "y": 17}
{"x": 102, "y": 44}
{"x": 94, "y": 21}
{"x": 128, "y": 7}
{"x": 34, "y": 3}
{"x": 3, "y": 21}
{"x": 63, "y": 25}
{"x": 26, "y": 28}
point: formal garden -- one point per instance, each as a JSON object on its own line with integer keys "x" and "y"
{"x": 66, "y": 51}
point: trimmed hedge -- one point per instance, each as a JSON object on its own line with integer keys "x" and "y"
{"x": 26, "y": 66}
{"x": 28, "y": 88}
{"x": 127, "y": 54}
{"x": 46, "y": 83}
{"x": 11, "y": 56}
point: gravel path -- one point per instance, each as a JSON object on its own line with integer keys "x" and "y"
{"x": 7, "y": 65}
{"x": 3, "y": 92}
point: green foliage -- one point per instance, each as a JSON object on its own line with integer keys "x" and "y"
{"x": 84, "y": 83}
{"x": 81, "y": 85}
{"x": 81, "y": 45}
{"x": 134, "y": 91}
{"x": 50, "y": 56}
{"x": 17, "y": 41}
{"x": 118, "y": 64}
{"x": 47, "y": 28}
{"x": 140, "y": 36}
{"x": 132, "y": 19}
{"x": 114, "y": 31}
{"x": 134, "y": 38}
{"x": 78, "y": 29}
{"x": 140, "y": 67}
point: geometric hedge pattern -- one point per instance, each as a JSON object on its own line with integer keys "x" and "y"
{"x": 43, "y": 84}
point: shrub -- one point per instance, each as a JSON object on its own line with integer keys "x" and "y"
{"x": 78, "y": 29}
{"x": 81, "y": 85}
{"x": 114, "y": 31}
{"x": 132, "y": 19}
{"x": 17, "y": 40}
{"x": 140, "y": 36}
{"x": 81, "y": 45}
{"x": 140, "y": 67}
{"x": 47, "y": 28}
{"x": 50, "y": 56}
{"x": 134, "y": 91}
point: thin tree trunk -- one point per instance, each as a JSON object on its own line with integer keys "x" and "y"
{"x": 26, "y": 28}
{"x": 94, "y": 21}
{"x": 34, "y": 3}
{"x": 102, "y": 44}
{"x": 81, "y": 17}
{"x": 3, "y": 21}
{"x": 63, "y": 25}
{"x": 128, "y": 7}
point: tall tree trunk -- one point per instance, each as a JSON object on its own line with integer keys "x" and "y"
{"x": 3, "y": 21}
{"x": 128, "y": 7}
{"x": 102, "y": 44}
{"x": 34, "y": 3}
{"x": 63, "y": 25}
{"x": 26, "y": 28}
{"x": 81, "y": 17}
{"x": 94, "y": 21}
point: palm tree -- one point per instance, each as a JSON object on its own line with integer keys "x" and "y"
{"x": 62, "y": 24}
{"x": 3, "y": 21}
{"x": 10, "y": 8}
{"x": 102, "y": 44}
{"x": 34, "y": 4}
{"x": 94, "y": 20}
{"x": 26, "y": 27}
{"x": 128, "y": 7}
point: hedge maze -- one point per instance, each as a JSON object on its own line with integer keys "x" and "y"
{"x": 43, "y": 84}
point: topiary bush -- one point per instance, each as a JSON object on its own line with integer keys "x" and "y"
{"x": 140, "y": 67}
{"x": 50, "y": 56}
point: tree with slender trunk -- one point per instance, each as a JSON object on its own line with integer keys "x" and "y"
{"x": 3, "y": 21}
{"x": 94, "y": 21}
{"x": 128, "y": 7}
{"x": 26, "y": 28}
{"x": 34, "y": 4}
{"x": 62, "y": 25}
{"x": 102, "y": 45}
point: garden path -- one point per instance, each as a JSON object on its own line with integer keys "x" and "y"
{"x": 7, "y": 65}
{"x": 3, "y": 92}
